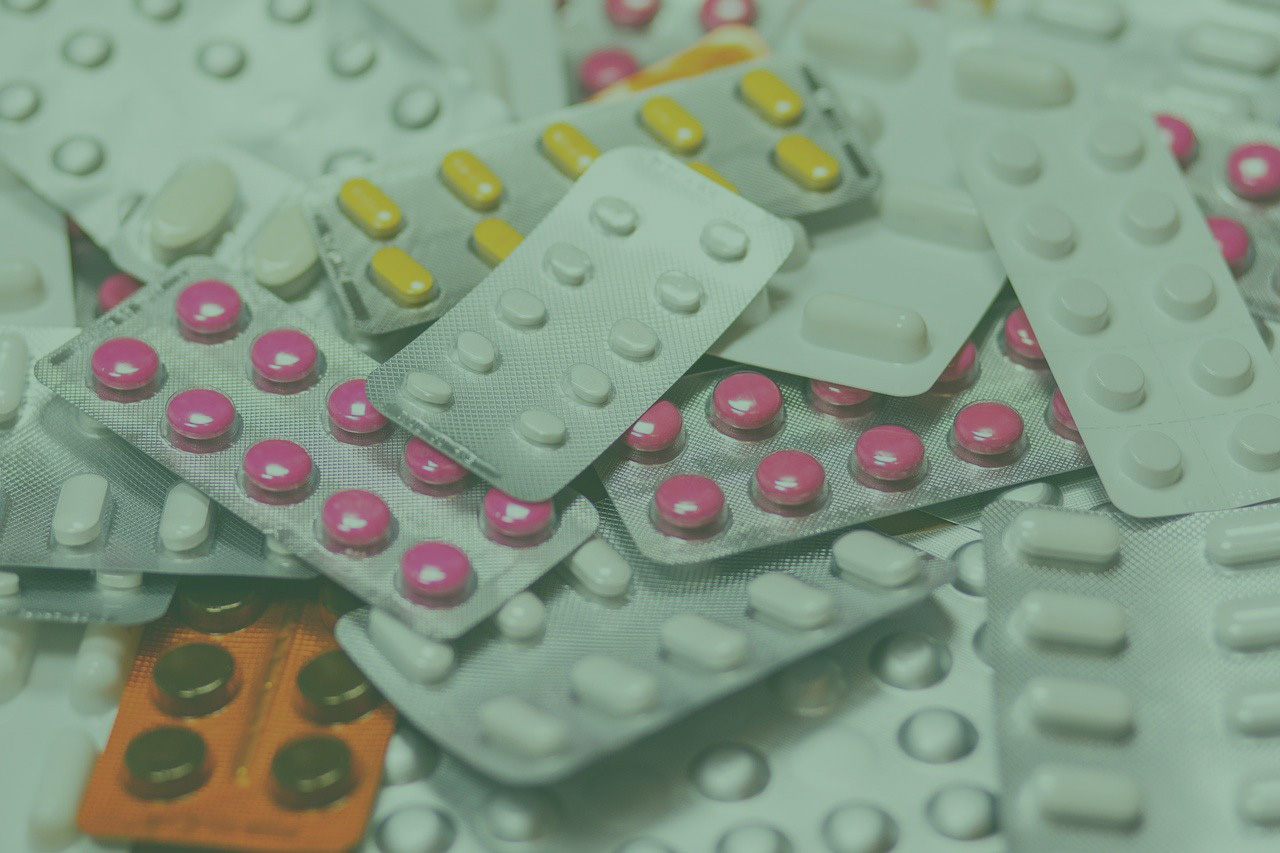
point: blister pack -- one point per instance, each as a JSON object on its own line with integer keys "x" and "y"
{"x": 926, "y": 269}
{"x": 725, "y": 45}
{"x": 35, "y": 258}
{"x": 732, "y": 460}
{"x": 403, "y": 242}
{"x": 1098, "y": 622}
{"x": 1080, "y": 490}
{"x": 115, "y": 598}
{"x": 607, "y": 40}
{"x": 74, "y": 496}
{"x": 1172, "y": 389}
{"x": 256, "y": 95}
{"x": 242, "y": 726}
{"x": 619, "y": 646}
{"x": 510, "y": 47}
{"x": 290, "y": 443}
{"x": 608, "y": 301}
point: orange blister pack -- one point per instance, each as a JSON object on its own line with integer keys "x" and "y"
{"x": 242, "y": 726}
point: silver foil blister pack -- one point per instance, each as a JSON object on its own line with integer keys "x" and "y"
{"x": 611, "y": 299}
{"x": 74, "y": 496}
{"x": 1135, "y": 678}
{"x": 509, "y": 179}
{"x": 118, "y": 598}
{"x": 1074, "y": 490}
{"x": 617, "y": 647}
{"x": 783, "y": 457}
{"x": 277, "y": 450}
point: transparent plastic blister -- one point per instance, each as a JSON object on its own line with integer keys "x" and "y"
{"x": 883, "y": 303}
{"x": 607, "y": 667}
{"x": 1135, "y": 678}
{"x": 304, "y": 87}
{"x": 1172, "y": 388}
{"x": 289, "y": 443}
{"x": 453, "y": 216}
{"x": 35, "y": 258}
{"x": 83, "y": 597}
{"x": 733, "y": 460}
{"x": 610, "y": 300}
{"x": 74, "y": 496}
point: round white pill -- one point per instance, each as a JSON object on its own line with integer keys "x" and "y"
{"x": 522, "y": 618}
{"x": 1116, "y": 381}
{"x": 79, "y": 155}
{"x": 614, "y": 216}
{"x": 415, "y": 829}
{"x": 1081, "y": 306}
{"x": 1047, "y": 231}
{"x": 1185, "y": 292}
{"x": 1150, "y": 217}
{"x": 633, "y": 339}
{"x": 416, "y": 107}
{"x": 1255, "y": 442}
{"x": 962, "y": 812}
{"x": 1014, "y": 157}
{"x": 937, "y": 736}
{"x": 222, "y": 59}
{"x": 18, "y": 101}
{"x": 475, "y": 352}
{"x": 541, "y": 427}
{"x": 1116, "y": 144}
{"x": 159, "y": 10}
{"x": 21, "y": 285}
{"x": 520, "y": 308}
{"x": 567, "y": 264}
{"x": 679, "y": 292}
{"x": 859, "y": 828}
{"x": 1222, "y": 366}
{"x": 87, "y": 48}
{"x": 353, "y": 58}
{"x": 729, "y": 772}
{"x": 1152, "y": 459}
{"x": 911, "y": 661}
{"x": 289, "y": 11}
{"x": 588, "y": 385}
{"x": 427, "y": 388}
{"x": 724, "y": 241}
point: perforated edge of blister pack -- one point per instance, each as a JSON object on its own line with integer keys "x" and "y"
{"x": 751, "y": 522}
{"x": 610, "y": 300}
{"x": 661, "y": 644}
{"x": 1135, "y": 678}
{"x": 1172, "y": 389}
{"x": 112, "y": 598}
{"x": 500, "y": 571}
{"x": 144, "y": 519}
{"x": 437, "y": 230}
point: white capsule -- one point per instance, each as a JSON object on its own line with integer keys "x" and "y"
{"x": 1248, "y": 537}
{"x": 861, "y": 44}
{"x": 612, "y": 686}
{"x": 192, "y": 210}
{"x": 187, "y": 518}
{"x": 1002, "y": 77}
{"x": 475, "y": 352}
{"x": 1255, "y": 712}
{"x": 284, "y": 257}
{"x": 427, "y": 388}
{"x": 1073, "y": 706}
{"x": 633, "y": 340}
{"x": 13, "y": 374}
{"x": 857, "y": 326}
{"x": 1248, "y": 624}
{"x": 939, "y": 214}
{"x": 51, "y": 822}
{"x": 876, "y": 559}
{"x": 1084, "y": 622}
{"x": 1083, "y": 795}
{"x": 600, "y": 568}
{"x": 703, "y": 643}
{"x": 1233, "y": 48}
{"x": 81, "y": 510}
{"x": 522, "y": 618}
{"x": 416, "y": 658}
{"x": 790, "y": 601}
{"x": 516, "y": 726}
{"x": 1102, "y": 19}
{"x": 102, "y": 665}
{"x": 17, "y": 648}
{"x": 1050, "y": 534}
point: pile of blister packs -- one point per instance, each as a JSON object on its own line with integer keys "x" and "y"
{"x": 640, "y": 426}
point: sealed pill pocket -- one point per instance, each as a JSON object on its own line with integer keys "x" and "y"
{"x": 107, "y": 597}
{"x": 242, "y": 726}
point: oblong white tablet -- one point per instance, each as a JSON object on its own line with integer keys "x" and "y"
{"x": 1048, "y": 534}
{"x": 81, "y": 509}
{"x": 187, "y": 518}
{"x": 192, "y": 210}
{"x": 13, "y": 374}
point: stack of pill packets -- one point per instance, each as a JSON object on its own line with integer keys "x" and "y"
{"x": 640, "y": 426}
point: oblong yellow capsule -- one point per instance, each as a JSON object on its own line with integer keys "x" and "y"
{"x": 370, "y": 209}
{"x": 767, "y": 94}
{"x": 803, "y": 161}
{"x": 672, "y": 125}
{"x": 401, "y": 277}
{"x": 569, "y": 149}
{"x": 708, "y": 172}
{"x": 471, "y": 180}
{"x": 494, "y": 240}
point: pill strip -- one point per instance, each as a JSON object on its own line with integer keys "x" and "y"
{"x": 372, "y": 464}
{"x": 74, "y": 496}
{"x": 857, "y": 448}
{"x": 35, "y": 261}
{"x": 624, "y": 646}
{"x": 1171, "y": 387}
{"x": 119, "y": 598}
{"x": 384, "y": 226}
{"x": 241, "y": 725}
{"x": 1098, "y": 623}
{"x": 611, "y": 299}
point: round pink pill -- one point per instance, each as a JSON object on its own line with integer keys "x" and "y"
{"x": 1019, "y": 337}
{"x": 988, "y": 429}
{"x": 276, "y": 465}
{"x": 208, "y": 307}
{"x": 125, "y": 364}
{"x": 790, "y": 478}
{"x": 606, "y": 67}
{"x": 1253, "y": 171}
{"x": 889, "y": 453}
{"x": 200, "y": 414}
{"x": 632, "y": 13}
{"x": 717, "y": 13}
{"x": 838, "y": 395}
{"x": 283, "y": 356}
{"x": 356, "y": 518}
{"x": 689, "y": 501}
{"x": 434, "y": 570}
{"x": 1061, "y": 414}
{"x": 116, "y": 289}
{"x": 746, "y": 401}
{"x": 1233, "y": 241}
{"x": 1181, "y": 138}
{"x": 517, "y": 519}
{"x": 430, "y": 466}
{"x": 657, "y": 429}
{"x": 351, "y": 411}
{"x": 960, "y": 366}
